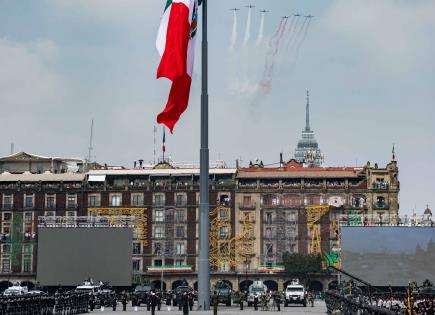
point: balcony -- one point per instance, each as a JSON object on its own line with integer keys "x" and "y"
{"x": 7, "y": 206}
{"x": 247, "y": 206}
{"x": 72, "y": 206}
{"x": 380, "y": 206}
{"x": 380, "y": 186}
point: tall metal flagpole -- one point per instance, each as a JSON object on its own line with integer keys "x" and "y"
{"x": 204, "y": 266}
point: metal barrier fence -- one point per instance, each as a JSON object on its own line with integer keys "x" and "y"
{"x": 43, "y": 304}
{"x": 352, "y": 306}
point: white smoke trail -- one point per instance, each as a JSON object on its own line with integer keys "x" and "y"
{"x": 248, "y": 28}
{"x": 234, "y": 33}
{"x": 261, "y": 30}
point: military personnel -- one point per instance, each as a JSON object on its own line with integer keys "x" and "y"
{"x": 152, "y": 301}
{"x": 241, "y": 299}
{"x": 185, "y": 303}
{"x": 114, "y": 301}
{"x": 215, "y": 301}
{"x": 124, "y": 299}
{"x": 256, "y": 302}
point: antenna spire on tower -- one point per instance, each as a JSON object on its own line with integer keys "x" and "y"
{"x": 90, "y": 141}
{"x": 307, "y": 112}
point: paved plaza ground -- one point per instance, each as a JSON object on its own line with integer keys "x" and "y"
{"x": 318, "y": 309}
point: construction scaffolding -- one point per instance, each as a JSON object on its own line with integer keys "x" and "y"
{"x": 227, "y": 252}
{"x": 314, "y": 213}
{"x": 138, "y": 214}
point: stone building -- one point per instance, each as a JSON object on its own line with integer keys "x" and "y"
{"x": 256, "y": 214}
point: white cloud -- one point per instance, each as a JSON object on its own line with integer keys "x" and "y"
{"x": 26, "y": 82}
{"x": 391, "y": 34}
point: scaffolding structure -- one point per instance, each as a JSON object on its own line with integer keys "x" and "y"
{"x": 138, "y": 214}
{"x": 226, "y": 251}
{"x": 314, "y": 213}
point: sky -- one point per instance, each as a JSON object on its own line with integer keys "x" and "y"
{"x": 368, "y": 65}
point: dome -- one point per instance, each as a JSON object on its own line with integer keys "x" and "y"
{"x": 428, "y": 211}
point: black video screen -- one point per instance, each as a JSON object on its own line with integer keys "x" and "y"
{"x": 392, "y": 256}
{"x": 68, "y": 256}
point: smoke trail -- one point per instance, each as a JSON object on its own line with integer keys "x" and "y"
{"x": 291, "y": 31}
{"x": 234, "y": 33}
{"x": 302, "y": 39}
{"x": 299, "y": 30}
{"x": 261, "y": 30}
{"x": 248, "y": 28}
{"x": 270, "y": 59}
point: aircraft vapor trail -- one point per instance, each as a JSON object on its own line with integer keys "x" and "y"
{"x": 297, "y": 35}
{"x": 302, "y": 39}
{"x": 265, "y": 85}
{"x": 248, "y": 28}
{"x": 234, "y": 33}
{"x": 261, "y": 30}
{"x": 291, "y": 30}
{"x": 270, "y": 64}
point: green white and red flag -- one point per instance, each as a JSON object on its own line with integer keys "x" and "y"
{"x": 176, "y": 46}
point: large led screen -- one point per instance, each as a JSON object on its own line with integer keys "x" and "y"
{"x": 386, "y": 256}
{"x": 68, "y": 256}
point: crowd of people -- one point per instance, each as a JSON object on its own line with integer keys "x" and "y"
{"x": 43, "y": 304}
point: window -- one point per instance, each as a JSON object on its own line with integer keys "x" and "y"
{"x": 136, "y": 265}
{"x": 28, "y": 201}
{"x": 6, "y": 263}
{"x": 158, "y": 216}
{"x": 269, "y": 249}
{"x": 291, "y": 200}
{"x": 179, "y": 262}
{"x": 270, "y": 200}
{"x": 136, "y": 248}
{"x": 71, "y": 202}
{"x": 94, "y": 200}
{"x": 27, "y": 263}
{"x": 157, "y": 249}
{"x": 224, "y": 266}
{"x": 247, "y": 201}
{"x": 312, "y": 200}
{"x": 71, "y": 213}
{"x": 268, "y": 217}
{"x": 8, "y": 201}
{"x": 180, "y": 200}
{"x": 137, "y": 200}
{"x": 179, "y": 216}
{"x": 158, "y": 262}
{"x": 179, "y": 249}
{"x": 223, "y": 232}
{"x": 159, "y": 200}
{"x": 49, "y": 213}
{"x": 115, "y": 200}
{"x": 27, "y": 249}
{"x": 268, "y": 233}
{"x": 6, "y": 248}
{"x": 50, "y": 201}
{"x": 222, "y": 213}
{"x": 380, "y": 202}
{"x": 28, "y": 216}
{"x": 158, "y": 232}
{"x": 7, "y": 216}
{"x": 179, "y": 231}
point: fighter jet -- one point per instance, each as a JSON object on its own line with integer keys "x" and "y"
{"x": 264, "y": 11}
{"x": 285, "y": 17}
{"x": 234, "y": 9}
{"x": 250, "y": 6}
{"x": 309, "y": 16}
{"x": 297, "y": 14}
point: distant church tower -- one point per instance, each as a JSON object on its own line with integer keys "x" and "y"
{"x": 307, "y": 150}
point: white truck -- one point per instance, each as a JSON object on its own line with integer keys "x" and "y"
{"x": 15, "y": 290}
{"x": 295, "y": 293}
{"x": 257, "y": 288}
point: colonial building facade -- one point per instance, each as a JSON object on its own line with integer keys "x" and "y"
{"x": 256, "y": 215}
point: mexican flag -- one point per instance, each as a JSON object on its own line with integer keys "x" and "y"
{"x": 176, "y": 44}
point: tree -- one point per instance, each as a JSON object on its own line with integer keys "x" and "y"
{"x": 299, "y": 265}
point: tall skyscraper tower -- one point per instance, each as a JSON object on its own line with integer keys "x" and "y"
{"x": 307, "y": 150}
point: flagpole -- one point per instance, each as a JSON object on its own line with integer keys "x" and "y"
{"x": 204, "y": 227}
